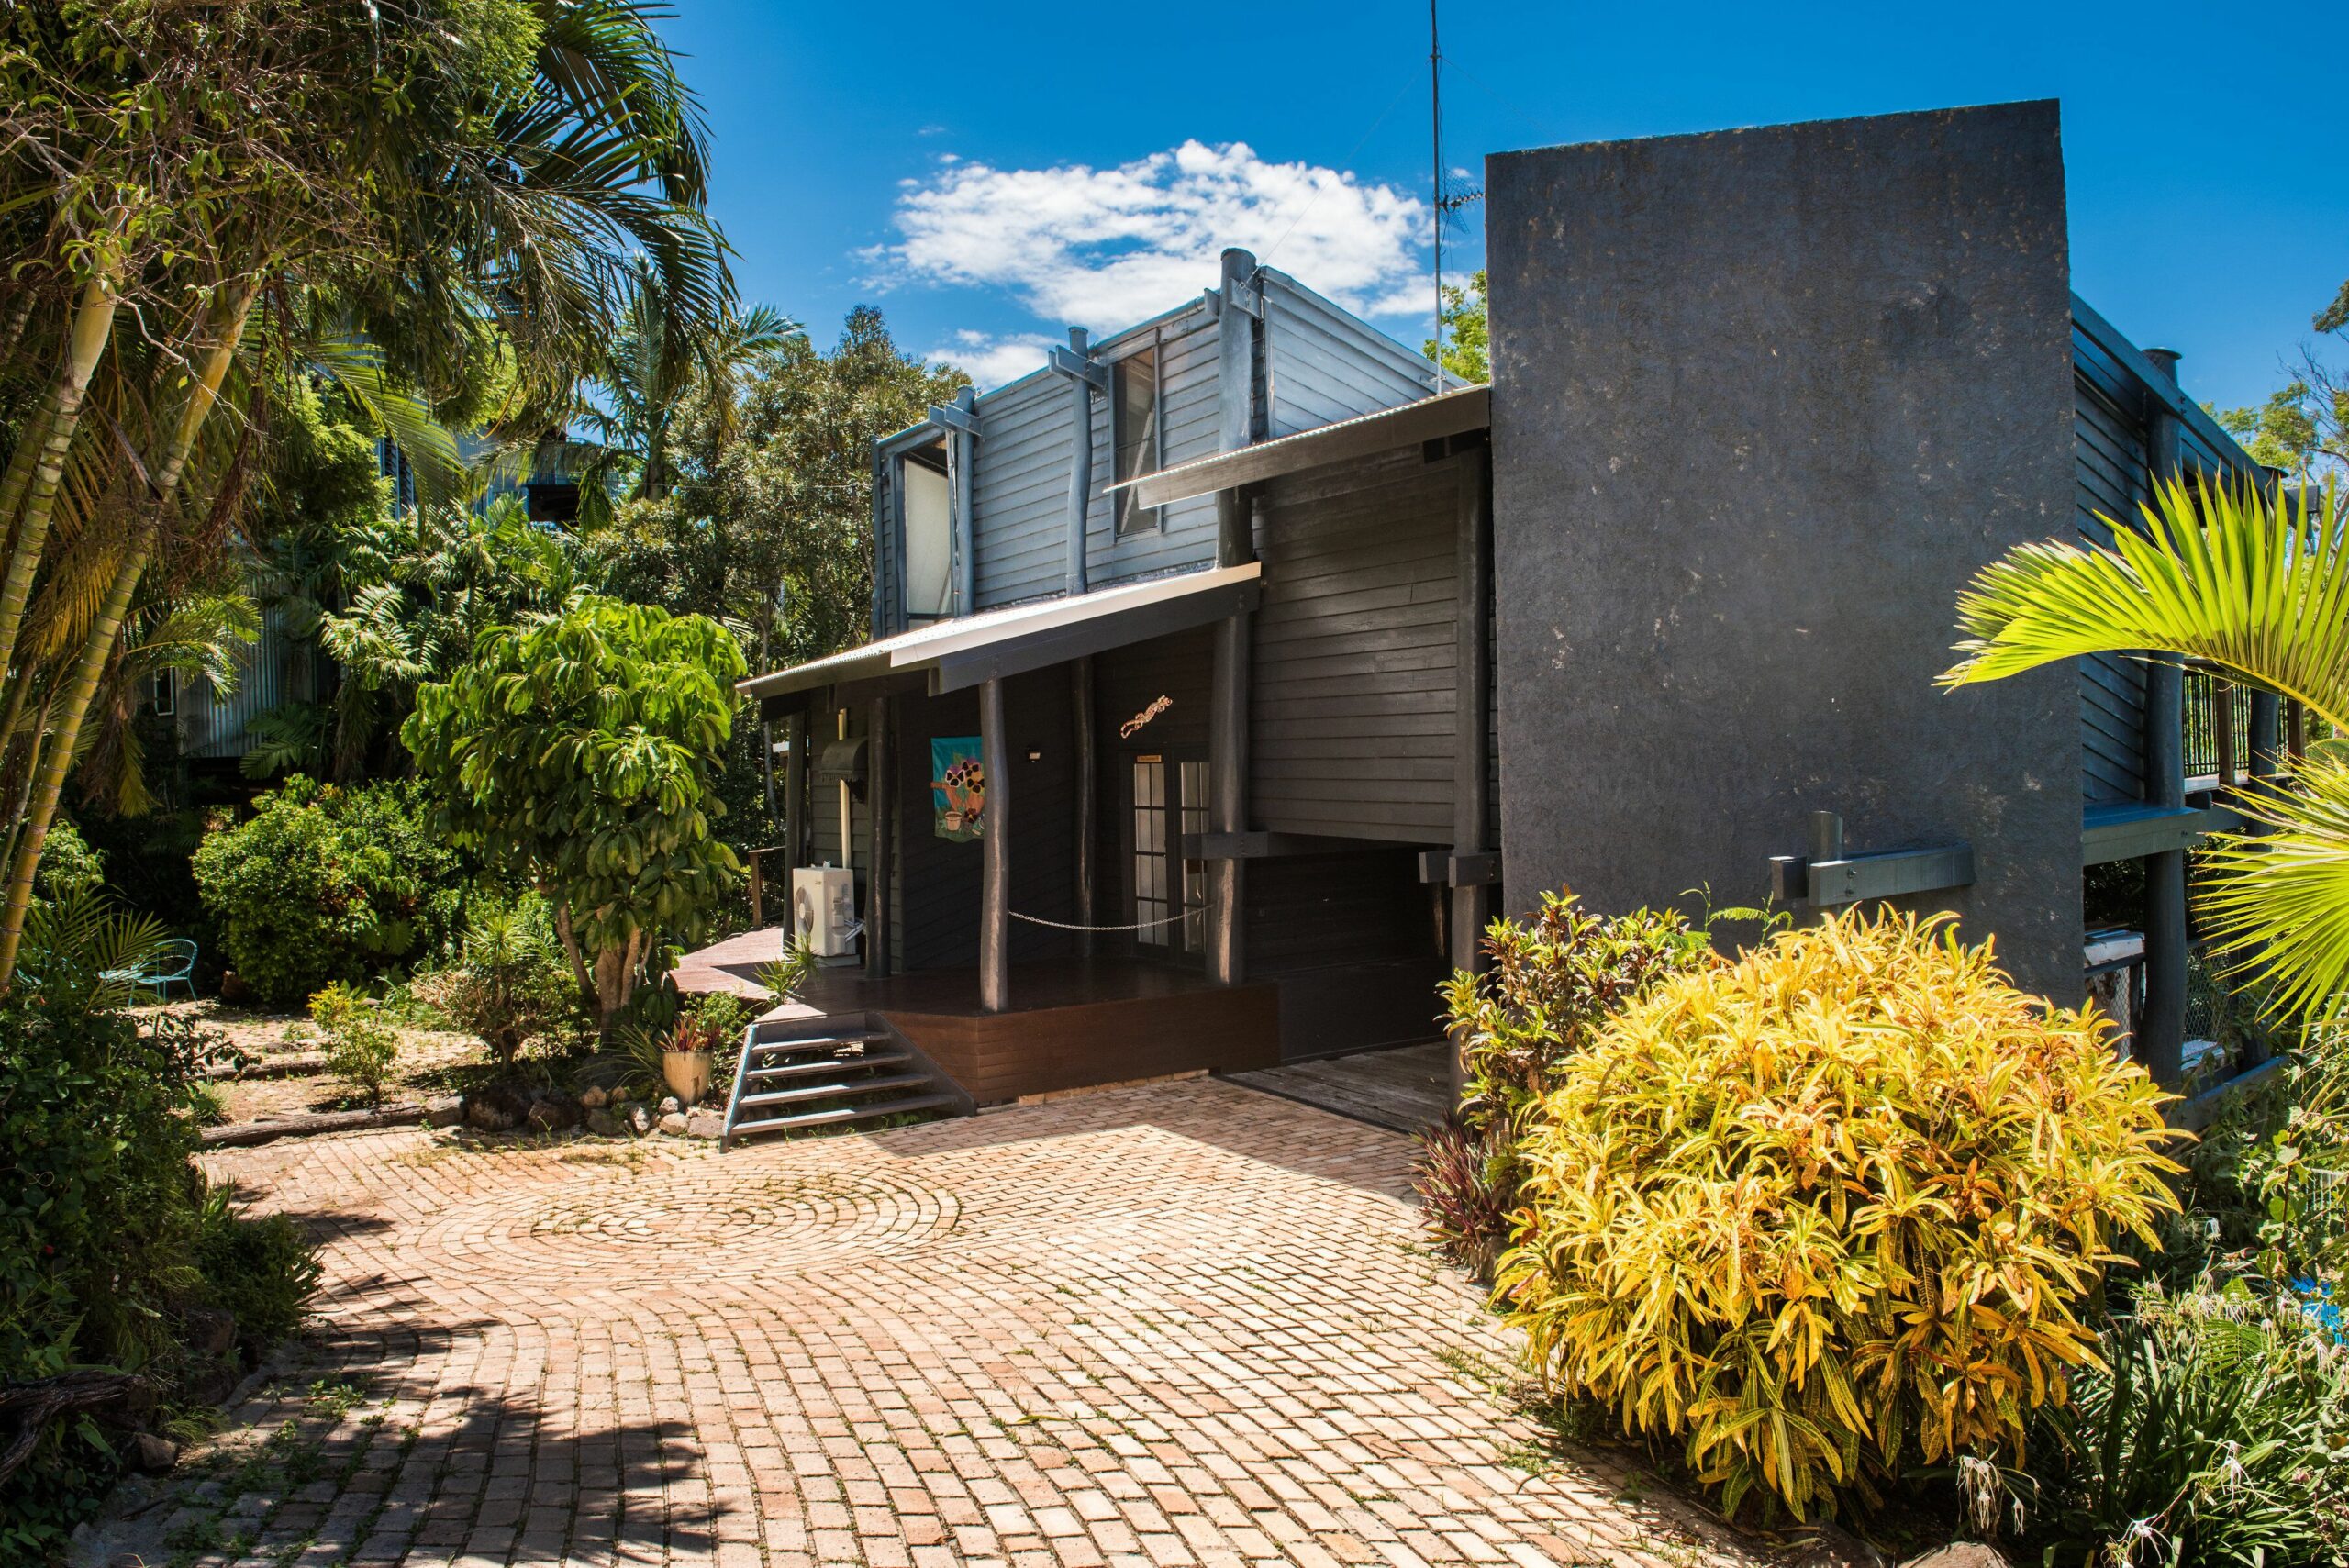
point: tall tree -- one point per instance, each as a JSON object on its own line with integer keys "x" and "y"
{"x": 1467, "y": 336}
{"x": 250, "y": 183}
{"x": 770, "y": 521}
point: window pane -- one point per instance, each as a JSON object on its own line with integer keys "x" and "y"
{"x": 1133, "y": 421}
{"x": 930, "y": 536}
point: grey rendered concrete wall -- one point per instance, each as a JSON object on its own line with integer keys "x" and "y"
{"x": 1762, "y": 401}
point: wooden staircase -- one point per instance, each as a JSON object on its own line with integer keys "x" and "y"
{"x": 832, "y": 1071}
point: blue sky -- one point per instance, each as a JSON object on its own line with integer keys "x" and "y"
{"x": 989, "y": 174}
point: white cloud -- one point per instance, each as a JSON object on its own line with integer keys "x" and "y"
{"x": 992, "y": 359}
{"x": 1106, "y": 247}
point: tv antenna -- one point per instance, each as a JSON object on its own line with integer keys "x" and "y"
{"x": 1448, "y": 202}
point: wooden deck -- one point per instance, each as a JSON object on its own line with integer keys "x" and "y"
{"x": 1406, "y": 1088}
{"x": 1070, "y": 1023}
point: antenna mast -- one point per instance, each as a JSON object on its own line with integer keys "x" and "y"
{"x": 1435, "y": 106}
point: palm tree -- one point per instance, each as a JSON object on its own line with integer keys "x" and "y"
{"x": 365, "y": 236}
{"x": 2256, "y": 586}
{"x": 629, "y": 411}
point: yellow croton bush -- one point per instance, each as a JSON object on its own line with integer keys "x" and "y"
{"x": 1832, "y": 1205}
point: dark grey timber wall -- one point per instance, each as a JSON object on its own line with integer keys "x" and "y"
{"x": 1353, "y": 723}
{"x": 1762, "y": 401}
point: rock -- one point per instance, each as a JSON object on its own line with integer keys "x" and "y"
{"x": 640, "y": 1119}
{"x": 152, "y": 1454}
{"x": 621, "y": 1097}
{"x": 674, "y": 1122}
{"x": 705, "y": 1122}
{"x": 669, "y": 1106}
{"x": 548, "y": 1115}
{"x": 592, "y": 1098}
{"x": 1960, "y": 1554}
{"x": 603, "y": 1124}
{"x": 445, "y": 1110}
{"x": 487, "y": 1115}
{"x": 209, "y": 1332}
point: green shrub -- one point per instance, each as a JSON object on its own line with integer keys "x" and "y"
{"x": 68, "y": 864}
{"x": 1553, "y": 980}
{"x": 513, "y": 982}
{"x": 258, "y": 1268}
{"x": 323, "y": 883}
{"x": 1831, "y": 1207}
{"x": 360, "y": 1050}
{"x": 97, "y": 1218}
{"x": 2212, "y": 1433}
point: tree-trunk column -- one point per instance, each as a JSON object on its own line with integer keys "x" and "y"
{"x": 2161, "y": 1033}
{"x": 995, "y": 853}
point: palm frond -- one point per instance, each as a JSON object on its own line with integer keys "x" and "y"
{"x": 2277, "y": 898}
{"x": 398, "y": 411}
{"x": 2259, "y": 586}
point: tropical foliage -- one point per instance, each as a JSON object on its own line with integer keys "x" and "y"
{"x": 577, "y": 752}
{"x": 197, "y": 199}
{"x": 106, "y": 1240}
{"x": 323, "y": 883}
{"x": 1551, "y": 981}
{"x": 2211, "y": 1430}
{"x": 1832, "y": 1210}
{"x": 2254, "y": 585}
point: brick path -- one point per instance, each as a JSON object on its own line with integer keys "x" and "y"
{"x": 1184, "y": 1323}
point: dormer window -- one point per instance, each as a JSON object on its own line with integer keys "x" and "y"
{"x": 927, "y": 510}
{"x": 1133, "y": 429}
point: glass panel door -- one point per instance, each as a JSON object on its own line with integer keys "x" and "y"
{"x": 1169, "y": 800}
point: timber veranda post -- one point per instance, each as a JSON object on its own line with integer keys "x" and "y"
{"x": 880, "y": 796}
{"x": 995, "y": 852}
{"x": 2161, "y": 1033}
{"x": 1471, "y": 806}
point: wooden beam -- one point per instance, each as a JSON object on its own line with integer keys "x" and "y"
{"x": 1227, "y": 797}
{"x": 2266, "y": 746}
{"x": 2133, "y": 829}
{"x": 959, "y": 456}
{"x": 2160, "y": 1038}
{"x": 1411, "y": 424}
{"x": 1261, "y": 846}
{"x": 1080, "y": 672}
{"x": 994, "y": 856}
{"x": 1058, "y": 645}
{"x": 880, "y": 796}
{"x": 795, "y": 791}
{"x": 1080, "y": 466}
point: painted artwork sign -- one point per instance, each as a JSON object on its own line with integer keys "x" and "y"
{"x": 958, "y": 789}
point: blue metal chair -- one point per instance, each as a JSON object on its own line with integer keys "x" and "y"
{"x": 172, "y": 962}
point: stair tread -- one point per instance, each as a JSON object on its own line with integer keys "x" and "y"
{"x": 851, "y": 1113}
{"x": 825, "y": 1091}
{"x": 827, "y": 1064}
{"x": 821, "y": 1042}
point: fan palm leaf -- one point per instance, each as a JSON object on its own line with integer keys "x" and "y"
{"x": 2257, "y": 586}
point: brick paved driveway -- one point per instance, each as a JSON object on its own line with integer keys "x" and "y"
{"x": 1186, "y": 1323}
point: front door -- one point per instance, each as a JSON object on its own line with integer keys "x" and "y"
{"x": 1168, "y": 797}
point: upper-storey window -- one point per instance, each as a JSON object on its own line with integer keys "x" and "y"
{"x": 1133, "y": 428}
{"x": 927, "y": 511}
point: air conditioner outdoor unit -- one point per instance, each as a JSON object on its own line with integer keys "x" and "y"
{"x": 823, "y": 910}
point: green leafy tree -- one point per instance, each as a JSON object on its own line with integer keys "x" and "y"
{"x": 1467, "y": 337}
{"x": 2257, "y": 586}
{"x": 579, "y": 752}
{"x": 770, "y": 521}
{"x": 191, "y": 195}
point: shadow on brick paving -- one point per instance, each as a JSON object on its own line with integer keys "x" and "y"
{"x": 354, "y": 1450}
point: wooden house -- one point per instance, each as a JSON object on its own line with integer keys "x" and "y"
{"x": 1284, "y": 669}
{"x": 1215, "y": 732}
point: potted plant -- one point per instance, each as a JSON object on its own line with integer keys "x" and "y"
{"x": 690, "y": 1047}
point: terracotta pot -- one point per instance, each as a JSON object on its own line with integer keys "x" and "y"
{"x": 688, "y": 1073}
